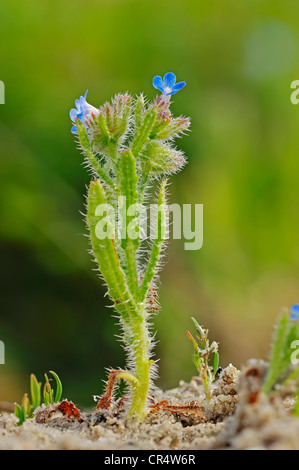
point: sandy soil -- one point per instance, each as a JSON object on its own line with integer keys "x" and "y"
{"x": 238, "y": 416}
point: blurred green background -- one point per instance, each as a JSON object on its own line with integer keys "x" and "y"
{"x": 238, "y": 59}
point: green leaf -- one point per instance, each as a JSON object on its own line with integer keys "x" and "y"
{"x": 105, "y": 134}
{"x": 20, "y": 413}
{"x": 58, "y": 386}
{"x": 215, "y": 363}
{"x": 159, "y": 238}
{"x": 129, "y": 217}
{"x": 17, "y": 410}
{"x": 197, "y": 360}
{"x": 143, "y": 131}
{"x": 199, "y": 329}
{"x": 128, "y": 189}
{"x": 92, "y": 159}
{"x": 123, "y": 111}
{"x": 113, "y": 121}
{"x": 162, "y": 158}
{"x": 291, "y": 336}
{"x": 138, "y": 112}
{"x": 48, "y": 392}
{"x": 277, "y": 352}
{"x": 35, "y": 387}
{"x": 25, "y": 404}
{"x": 296, "y": 406}
{"x": 106, "y": 255}
{"x": 172, "y": 128}
{"x": 46, "y": 396}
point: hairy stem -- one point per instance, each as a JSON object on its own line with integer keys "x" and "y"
{"x": 141, "y": 346}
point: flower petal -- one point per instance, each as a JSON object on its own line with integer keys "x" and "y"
{"x": 78, "y": 104}
{"x": 157, "y": 83}
{"x": 177, "y": 87}
{"x": 169, "y": 79}
{"x": 73, "y": 114}
{"x": 83, "y": 102}
{"x": 83, "y": 109}
{"x": 295, "y": 312}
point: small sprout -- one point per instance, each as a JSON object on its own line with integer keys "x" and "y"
{"x": 26, "y": 409}
{"x": 20, "y": 413}
{"x": 201, "y": 354}
{"x": 35, "y": 391}
{"x": 58, "y": 393}
{"x": 283, "y": 364}
{"x": 281, "y": 369}
{"x": 26, "y": 405}
{"x": 48, "y": 393}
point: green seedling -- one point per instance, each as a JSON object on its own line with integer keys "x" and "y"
{"x": 282, "y": 364}
{"x": 48, "y": 393}
{"x": 26, "y": 409}
{"x": 202, "y": 351}
{"x": 128, "y": 145}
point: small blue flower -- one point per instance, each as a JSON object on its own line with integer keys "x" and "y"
{"x": 168, "y": 85}
{"x": 295, "y": 312}
{"x": 83, "y": 109}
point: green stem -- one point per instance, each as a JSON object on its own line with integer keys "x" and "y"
{"x": 131, "y": 268}
{"x": 140, "y": 389}
{"x": 84, "y": 141}
{"x": 98, "y": 168}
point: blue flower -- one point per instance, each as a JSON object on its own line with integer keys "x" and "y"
{"x": 168, "y": 85}
{"x": 295, "y": 312}
{"x": 83, "y": 109}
